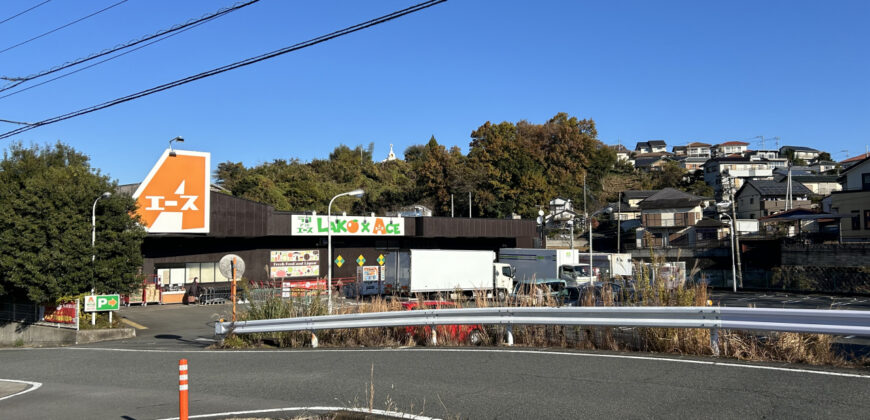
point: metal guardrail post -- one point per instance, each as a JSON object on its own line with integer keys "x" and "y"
{"x": 314, "y": 342}
{"x": 714, "y": 341}
{"x": 509, "y": 335}
{"x": 434, "y": 337}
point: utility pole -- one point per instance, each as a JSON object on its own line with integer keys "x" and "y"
{"x": 451, "y": 205}
{"x": 469, "y": 204}
{"x": 735, "y": 234}
{"x": 618, "y": 220}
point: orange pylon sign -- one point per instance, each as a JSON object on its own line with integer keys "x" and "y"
{"x": 174, "y": 197}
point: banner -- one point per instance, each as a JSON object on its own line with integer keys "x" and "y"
{"x": 304, "y": 263}
{"x": 308, "y": 225}
{"x": 65, "y": 313}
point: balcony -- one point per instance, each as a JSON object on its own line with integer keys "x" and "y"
{"x": 749, "y": 173}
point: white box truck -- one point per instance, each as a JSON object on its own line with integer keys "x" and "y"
{"x": 536, "y": 263}
{"x": 609, "y": 265}
{"x": 431, "y": 271}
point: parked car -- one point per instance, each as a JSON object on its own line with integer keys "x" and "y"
{"x": 472, "y": 334}
{"x": 534, "y": 291}
{"x": 596, "y": 294}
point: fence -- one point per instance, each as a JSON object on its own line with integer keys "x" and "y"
{"x": 712, "y": 318}
{"x": 30, "y": 313}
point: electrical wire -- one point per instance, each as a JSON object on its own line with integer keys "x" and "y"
{"x": 323, "y": 38}
{"x": 95, "y": 64}
{"x": 181, "y": 27}
{"x": 61, "y": 27}
{"x": 21, "y": 13}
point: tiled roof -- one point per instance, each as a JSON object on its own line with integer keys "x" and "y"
{"x": 659, "y": 143}
{"x": 697, "y": 144}
{"x": 670, "y": 198}
{"x": 734, "y": 143}
{"x": 765, "y": 187}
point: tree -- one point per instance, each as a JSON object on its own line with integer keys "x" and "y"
{"x": 824, "y": 156}
{"x": 46, "y": 198}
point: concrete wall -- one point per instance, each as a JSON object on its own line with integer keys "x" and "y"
{"x": 843, "y": 255}
{"x": 37, "y": 335}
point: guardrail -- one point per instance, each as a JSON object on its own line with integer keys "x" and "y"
{"x": 846, "y": 322}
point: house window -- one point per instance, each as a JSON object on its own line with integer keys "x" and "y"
{"x": 866, "y": 219}
{"x": 865, "y": 182}
{"x": 856, "y": 220}
{"x": 751, "y": 201}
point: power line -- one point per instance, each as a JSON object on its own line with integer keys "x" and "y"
{"x": 14, "y": 122}
{"x": 94, "y": 64}
{"x": 21, "y": 13}
{"x": 61, "y": 27}
{"x": 323, "y": 38}
{"x": 182, "y": 27}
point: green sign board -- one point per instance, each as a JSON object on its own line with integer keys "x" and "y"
{"x": 100, "y": 303}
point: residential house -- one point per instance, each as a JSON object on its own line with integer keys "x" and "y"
{"x": 820, "y": 185}
{"x": 854, "y": 201}
{"x": 853, "y": 160}
{"x": 728, "y": 173}
{"x": 561, "y": 210}
{"x": 652, "y": 146}
{"x": 627, "y": 208}
{"x": 642, "y": 147}
{"x": 650, "y": 161}
{"x": 698, "y": 149}
{"x": 667, "y": 216}
{"x": 729, "y": 148}
{"x": 658, "y": 146}
{"x": 761, "y": 154}
{"x": 622, "y": 153}
{"x": 680, "y": 151}
{"x": 823, "y": 166}
{"x": 760, "y": 198}
{"x": 800, "y": 152}
{"x": 692, "y": 163}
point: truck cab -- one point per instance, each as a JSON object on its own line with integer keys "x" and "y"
{"x": 503, "y": 280}
{"x": 576, "y": 274}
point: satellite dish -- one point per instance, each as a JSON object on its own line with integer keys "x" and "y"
{"x": 226, "y": 266}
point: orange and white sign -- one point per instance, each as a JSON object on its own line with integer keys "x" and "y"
{"x": 174, "y": 198}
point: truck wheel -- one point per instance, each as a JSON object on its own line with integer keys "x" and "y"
{"x": 501, "y": 295}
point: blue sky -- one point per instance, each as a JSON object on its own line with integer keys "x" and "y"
{"x": 678, "y": 71}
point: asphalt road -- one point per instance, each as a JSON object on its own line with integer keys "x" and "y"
{"x": 137, "y": 379}
{"x": 477, "y": 383}
{"x": 790, "y": 300}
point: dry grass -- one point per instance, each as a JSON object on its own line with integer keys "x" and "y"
{"x": 813, "y": 349}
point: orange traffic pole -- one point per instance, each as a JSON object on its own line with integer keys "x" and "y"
{"x": 233, "y": 293}
{"x": 182, "y": 389}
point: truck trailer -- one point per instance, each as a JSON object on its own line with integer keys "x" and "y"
{"x": 536, "y": 263}
{"x": 433, "y": 271}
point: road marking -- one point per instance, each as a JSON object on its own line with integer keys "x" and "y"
{"x": 33, "y": 387}
{"x": 135, "y": 325}
{"x": 663, "y": 358}
{"x": 394, "y": 414}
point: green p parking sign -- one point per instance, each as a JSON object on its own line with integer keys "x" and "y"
{"x": 101, "y": 303}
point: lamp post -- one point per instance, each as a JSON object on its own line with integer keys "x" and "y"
{"x": 733, "y": 266}
{"x": 93, "y": 248}
{"x": 178, "y": 139}
{"x": 355, "y": 193}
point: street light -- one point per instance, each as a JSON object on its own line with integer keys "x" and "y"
{"x": 724, "y": 205}
{"x": 178, "y": 139}
{"x": 93, "y": 248}
{"x": 355, "y": 193}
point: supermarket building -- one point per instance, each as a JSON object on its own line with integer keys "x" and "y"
{"x": 192, "y": 224}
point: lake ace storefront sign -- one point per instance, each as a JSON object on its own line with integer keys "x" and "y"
{"x": 308, "y": 225}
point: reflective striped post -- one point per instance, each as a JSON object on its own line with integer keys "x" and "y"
{"x": 182, "y": 389}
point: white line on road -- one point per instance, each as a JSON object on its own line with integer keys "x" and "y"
{"x": 394, "y": 414}
{"x": 33, "y": 387}
{"x": 515, "y": 351}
